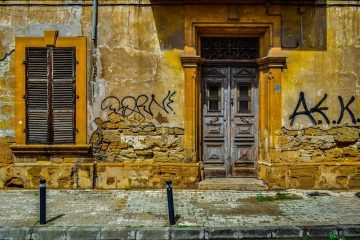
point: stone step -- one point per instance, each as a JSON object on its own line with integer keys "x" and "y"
{"x": 241, "y": 184}
{"x": 244, "y": 172}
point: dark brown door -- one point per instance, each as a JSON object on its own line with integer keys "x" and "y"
{"x": 229, "y": 119}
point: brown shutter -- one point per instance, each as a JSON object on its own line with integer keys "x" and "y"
{"x": 37, "y": 106}
{"x": 63, "y": 95}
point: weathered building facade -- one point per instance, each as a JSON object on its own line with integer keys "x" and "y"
{"x": 127, "y": 94}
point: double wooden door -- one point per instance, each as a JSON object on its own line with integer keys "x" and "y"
{"x": 229, "y": 119}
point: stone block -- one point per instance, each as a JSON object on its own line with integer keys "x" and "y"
{"x": 46, "y": 233}
{"x": 7, "y": 139}
{"x": 110, "y": 176}
{"x": 85, "y": 175}
{"x": 120, "y": 233}
{"x": 350, "y": 231}
{"x": 275, "y": 177}
{"x": 302, "y": 182}
{"x": 24, "y": 159}
{"x": 146, "y": 153}
{"x": 5, "y": 153}
{"x": 128, "y": 153}
{"x": 5, "y": 173}
{"x": 354, "y": 182}
{"x": 304, "y": 156}
{"x": 149, "y": 129}
{"x": 275, "y": 156}
{"x": 117, "y": 145}
{"x": 284, "y": 232}
{"x": 95, "y": 137}
{"x": 304, "y": 171}
{"x": 138, "y": 182}
{"x": 314, "y": 132}
{"x": 115, "y": 117}
{"x": 345, "y": 170}
{"x": 187, "y": 233}
{"x": 351, "y": 154}
{"x": 178, "y": 131}
{"x": 11, "y": 233}
{"x": 222, "y": 233}
{"x": 334, "y": 154}
{"x": 342, "y": 181}
{"x": 347, "y": 135}
{"x": 170, "y": 131}
{"x": 293, "y": 132}
{"x": 314, "y": 231}
{"x": 83, "y": 233}
{"x": 190, "y": 175}
{"x": 57, "y": 175}
{"x": 152, "y": 234}
{"x": 111, "y": 136}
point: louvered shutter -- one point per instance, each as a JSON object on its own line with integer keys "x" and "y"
{"x": 37, "y": 93}
{"x": 63, "y": 95}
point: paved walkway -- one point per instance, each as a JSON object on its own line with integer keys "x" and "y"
{"x": 195, "y": 209}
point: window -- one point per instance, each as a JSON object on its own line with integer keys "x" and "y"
{"x": 214, "y": 97}
{"x": 50, "y": 95}
{"x": 244, "y": 98}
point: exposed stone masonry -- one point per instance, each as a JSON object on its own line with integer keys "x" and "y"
{"x": 320, "y": 145}
{"x": 118, "y": 140}
{"x": 317, "y": 158}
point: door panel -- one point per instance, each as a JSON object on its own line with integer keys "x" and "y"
{"x": 243, "y": 121}
{"x": 229, "y": 120}
{"x": 215, "y": 141}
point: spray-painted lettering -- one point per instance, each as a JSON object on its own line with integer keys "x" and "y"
{"x": 322, "y": 110}
{"x": 143, "y": 105}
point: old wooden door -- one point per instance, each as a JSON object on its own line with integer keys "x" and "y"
{"x": 230, "y": 101}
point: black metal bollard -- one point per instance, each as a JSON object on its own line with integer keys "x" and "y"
{"x": 42, "y": 201}
{"x": 170, "y": 202}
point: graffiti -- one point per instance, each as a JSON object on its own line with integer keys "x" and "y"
{"x": 142, "y": 105}
{"x": 318, "y": 108}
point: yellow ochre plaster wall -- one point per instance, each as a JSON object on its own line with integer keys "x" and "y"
{"x": 324, "y": 152}
{"x": 143, "y": 96}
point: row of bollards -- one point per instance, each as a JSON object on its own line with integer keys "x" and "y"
{"x": 169, "y": 192}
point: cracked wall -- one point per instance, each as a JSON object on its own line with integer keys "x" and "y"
{"x": 319, "y": 145}
{"x": 135, "y": 106}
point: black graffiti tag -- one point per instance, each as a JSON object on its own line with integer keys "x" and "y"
{"x": 308, "y": 112}
{"x": 142, "y": 104}
{"x": 346, "y": 108}
{"x": 318, "y": 109}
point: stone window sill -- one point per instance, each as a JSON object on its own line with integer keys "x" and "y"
{"x": 40, "y": 148}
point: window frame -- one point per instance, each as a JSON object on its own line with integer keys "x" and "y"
{"x": 50, "y": 39}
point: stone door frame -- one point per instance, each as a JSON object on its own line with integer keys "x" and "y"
{"x": 270, "y": 64}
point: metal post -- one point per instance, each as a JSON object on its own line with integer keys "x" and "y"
{"x": 170, "y": 202}
{"x": 42, "y": 201}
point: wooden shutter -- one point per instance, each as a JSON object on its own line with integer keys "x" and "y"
{"x": 50, "y": 95}
{"x": 63, "y": 95}
{"x": 37, "y": 93}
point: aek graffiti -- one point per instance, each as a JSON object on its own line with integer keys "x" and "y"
{"x": 143, "y": 105}
{"x": 344, "y": 108}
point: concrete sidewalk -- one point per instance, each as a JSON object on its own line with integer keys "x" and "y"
{"x": 202, "y": 214}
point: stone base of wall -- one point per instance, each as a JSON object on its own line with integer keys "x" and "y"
{"x": 80, "y": 175}
{"x": 312, "y": 176}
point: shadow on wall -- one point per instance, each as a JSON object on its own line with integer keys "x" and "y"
{"x": 169, "y": 21}
{"x": 302, "y": 27}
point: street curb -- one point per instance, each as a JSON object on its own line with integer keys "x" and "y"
{"x": 350, "y": 231}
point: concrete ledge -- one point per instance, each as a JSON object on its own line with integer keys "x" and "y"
{"x": 183, "y": 233}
